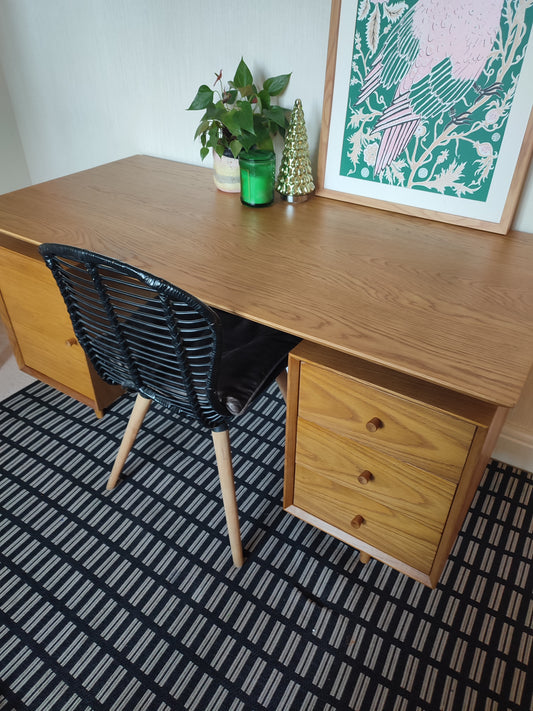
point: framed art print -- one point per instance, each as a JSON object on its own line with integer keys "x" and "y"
{"x": 428, "y": 108}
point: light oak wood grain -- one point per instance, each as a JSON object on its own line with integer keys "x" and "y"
{"x": 363, "y": 547}
{"x": 449, "y": 305}
{"x": 44, "y": 331}
{"x": 41, "y": 332}
{"x": 327, "y": 458}
{"x": 383, "y": 526}
{"x": 436, "y": 319}
{"x": 478, "y": 458}
{"x": 412, "y": 432}
{"x": 411, "y": 491}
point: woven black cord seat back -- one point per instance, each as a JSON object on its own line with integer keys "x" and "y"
{"x": 142, "y": 332}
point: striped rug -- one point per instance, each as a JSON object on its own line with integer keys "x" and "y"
{"x": 127, "y": 600}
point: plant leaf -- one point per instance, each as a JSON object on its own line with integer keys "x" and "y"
{"x": 248, "y": 141}
{"x": 264, "y": 98}
{"x": 202, "y": 128}
{"x": 243, "y": 76}
{"x": 265, "y": 143}
{"x": 231, "y": 121}
{"x": 204, "y": 97}
{"x": 277, "y": 115}
{"x": 245, "y": 116}
{"x": 235, "y": 147}
{"x": 275, "y": 85}
{"x": 230, "y": 96}
{"x": 213, "y": 136}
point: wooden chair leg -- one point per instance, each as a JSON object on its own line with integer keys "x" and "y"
{"x": 364, "y": 557}
{"x": 281, "y": 380}
{"x": 138, "y": 413}
{"x": 227, "y": 486}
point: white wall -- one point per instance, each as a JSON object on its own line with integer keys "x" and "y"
{"x": 524, "y": 215}
{"x": 94, "y": 81}
{"x": 13, "y": 169}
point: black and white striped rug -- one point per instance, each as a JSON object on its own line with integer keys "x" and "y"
{"x": 127, "y": 600}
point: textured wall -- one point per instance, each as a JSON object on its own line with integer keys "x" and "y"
{"x": 13, "y": 169}
{"x": 95, "y": 81}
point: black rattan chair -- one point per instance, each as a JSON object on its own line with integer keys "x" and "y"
{"x": 155, "y": 339}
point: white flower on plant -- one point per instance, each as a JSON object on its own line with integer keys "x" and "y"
{"x": 421, "y": 130}
{"x": 370, "y": 154}
{"x": 484, "y": 150}
{"x": 442, "y": 157}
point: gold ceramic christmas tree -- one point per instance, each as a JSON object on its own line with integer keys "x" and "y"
{"x": 295, "y": 179}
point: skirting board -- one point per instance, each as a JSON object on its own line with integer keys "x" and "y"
{"x": 515, "y": 447}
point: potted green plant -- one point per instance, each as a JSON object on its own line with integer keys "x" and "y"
{"x": 239, "y": 116}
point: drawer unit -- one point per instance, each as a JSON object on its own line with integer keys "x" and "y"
{"x": 41, "y": 332}
{"x": 384, "y": 462}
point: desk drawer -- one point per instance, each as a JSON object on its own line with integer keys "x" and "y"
{"x": 382, "y": 526}
{"x": 410, "y": 431}
{"x": 397, "y": 485}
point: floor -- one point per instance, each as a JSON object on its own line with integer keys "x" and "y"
{"x": 11, "y": 378}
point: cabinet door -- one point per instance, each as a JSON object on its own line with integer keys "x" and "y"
{"x": 41, "y": 324}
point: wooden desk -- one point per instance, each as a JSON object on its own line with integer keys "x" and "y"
{"x": 439, "y": 304}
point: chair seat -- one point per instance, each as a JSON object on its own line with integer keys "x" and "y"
{"x": 252, "y": 356}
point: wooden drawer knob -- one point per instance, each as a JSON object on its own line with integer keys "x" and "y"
{"x": 364, "y": 477}
{"x": 71, "y": 342}
{"x": 374, "y": 424}
{"x": 357, "y": 521}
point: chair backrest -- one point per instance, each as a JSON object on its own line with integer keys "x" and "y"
{"x": 142, "y": 332}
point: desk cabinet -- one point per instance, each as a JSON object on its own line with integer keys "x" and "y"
{"x": 386, "y": 463}
{"x": 41, "y": 332}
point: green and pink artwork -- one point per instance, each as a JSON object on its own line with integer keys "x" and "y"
{"x": 430, "y": 104}
{"x": 431, "y": 87}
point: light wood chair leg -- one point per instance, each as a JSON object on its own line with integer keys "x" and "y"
{"x": 138, "y": 413}
{"x": 227, "y": 486}
{"x": 281, "y": 380}
{"x": 364, "y": 557}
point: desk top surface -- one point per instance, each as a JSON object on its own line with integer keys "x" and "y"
{"x": 449, "y": 305}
